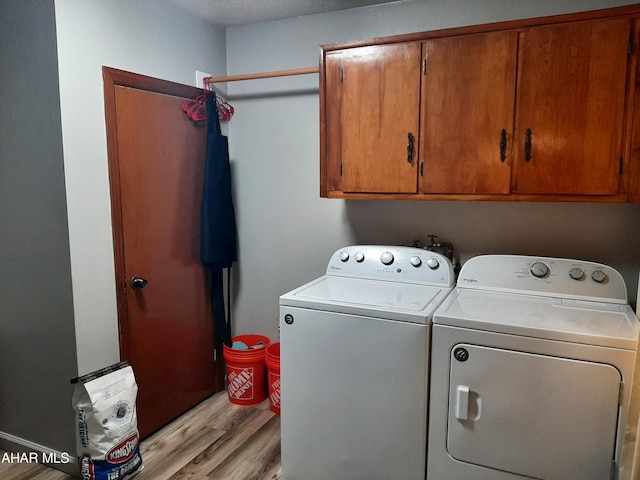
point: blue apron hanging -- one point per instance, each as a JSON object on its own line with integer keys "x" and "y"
{"x": 218, "y": 241}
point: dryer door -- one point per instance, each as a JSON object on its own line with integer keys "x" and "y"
{"x": 532, "y": 415}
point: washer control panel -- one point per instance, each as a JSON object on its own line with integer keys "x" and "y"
{"x": 544, "y": 276}
{"x": 397, "y": 263}
{"x": 541, "y": 270}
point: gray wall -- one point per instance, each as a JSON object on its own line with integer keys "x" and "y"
{"x": 287, "y": 232}
{"x": 37, "y": 343}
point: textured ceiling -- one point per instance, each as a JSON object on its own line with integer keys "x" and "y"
{"x": 239, "y": 12}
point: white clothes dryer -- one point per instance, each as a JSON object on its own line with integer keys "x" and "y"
{"x": 354, "y": 365}
{"x": 532, "y": 367}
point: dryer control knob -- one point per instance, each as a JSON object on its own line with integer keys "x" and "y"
{"x": 539, "y": 270}
{"x": 344, "y": 256}
{"x": 433, "y": 263}
{"x": 415, "y": 261}
{"x": 599, "y": 276}
{"x": 359, "y": 256}
{"x": 576, "y": 273}
{"x": 386, "y": 257}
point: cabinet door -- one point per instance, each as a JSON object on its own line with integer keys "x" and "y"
{"x": 467, "y": 114}
{"x": 372, "y": 108}
{"x": 570, "y": 102}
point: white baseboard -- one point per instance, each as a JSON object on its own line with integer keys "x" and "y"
{"x": 20, "y": 450}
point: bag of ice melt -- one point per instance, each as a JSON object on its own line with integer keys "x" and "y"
{"x": 107, "y": 438}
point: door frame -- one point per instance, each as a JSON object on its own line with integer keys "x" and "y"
{"x": 113, "y": 78}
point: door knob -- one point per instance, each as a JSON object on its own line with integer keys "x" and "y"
{"x": 138, "y": 282}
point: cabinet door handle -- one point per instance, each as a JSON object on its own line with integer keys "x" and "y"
{"x": 527, "y": 145}
{"x": 503, "y": 145}
{"x": 410, "y": 147}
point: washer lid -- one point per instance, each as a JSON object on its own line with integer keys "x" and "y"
{"x": 578, "y": 321}
{"x": 406, "y": 302}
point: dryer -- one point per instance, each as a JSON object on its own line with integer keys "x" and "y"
{"x": 531, "y": 371}
{"x": 354, "y": 363}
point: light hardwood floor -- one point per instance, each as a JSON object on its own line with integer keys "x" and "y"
{"x": 214, "y": 441}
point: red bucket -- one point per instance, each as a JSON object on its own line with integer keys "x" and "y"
{"x": 272, "y": 357}
{"x": 246, "y": 370}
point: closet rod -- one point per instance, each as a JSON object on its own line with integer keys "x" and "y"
{"x": 253, "y": 76}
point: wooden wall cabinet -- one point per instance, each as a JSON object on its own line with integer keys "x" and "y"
{"x": 374, "y": 92}
{"x": 538, "y": 109}
{"x": 467, "y": 113}
{"x": 570, "y": 97}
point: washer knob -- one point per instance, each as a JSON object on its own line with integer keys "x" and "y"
{"x": 433, "y": 263}
{"x": 599, "y": 276}
{"x": 415, "y": 261}
{"x": 344, "y": 255}
{"x": 539, "y": 270}
{"x": 576, "y": 273}
{"x": 359, "y": 256}
{"x": 386, "y": 257}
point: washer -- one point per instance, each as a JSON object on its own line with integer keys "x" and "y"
{"x": 532, "y": 367}
{"x": 354, "y": 365}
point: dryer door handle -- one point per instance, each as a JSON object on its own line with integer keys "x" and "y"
{"x": 462, "y": 402}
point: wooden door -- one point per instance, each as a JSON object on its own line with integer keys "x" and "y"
{"x": 570, "y": 107}
{"x": 467, "y": 114}
{"x": 378, "y": 90}
{"x": 157, "y": 166}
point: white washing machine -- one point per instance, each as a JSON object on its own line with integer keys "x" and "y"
{"x": 532, "y": 367}
{"x": 354, "y": 365}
